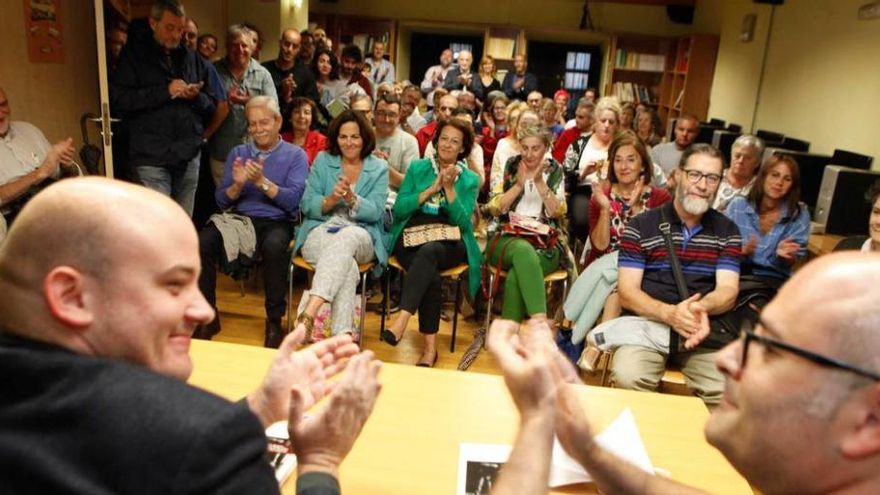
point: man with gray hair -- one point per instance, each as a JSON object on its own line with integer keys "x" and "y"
{"x": 166, "y": 93}
{"x": 244, "y": 78}
{"x": 264, "y": 181}
{"x": 28, "y": 162}
{"x": 462, "y": 77}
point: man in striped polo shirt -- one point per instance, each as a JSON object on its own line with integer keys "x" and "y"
{"x": 708, "y": 247}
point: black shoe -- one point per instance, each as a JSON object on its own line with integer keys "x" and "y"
{"x": 207, "y": 332}
{"x": 274, "y": 334}
{"x": 388, "y": 337}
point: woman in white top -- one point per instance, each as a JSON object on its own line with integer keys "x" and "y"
{"x": 533, "y": 187}
{"x": 586, "y": 164}
{"x": 738, "y": 179}
{"x": 519, "y": 116}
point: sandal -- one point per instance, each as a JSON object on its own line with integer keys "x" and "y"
{"x": 422, "y": 364}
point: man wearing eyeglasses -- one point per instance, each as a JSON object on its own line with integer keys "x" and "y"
{"x": 799, "y": 412}
{"x": 707, "y": 245}
{"x": 393, "y": 144}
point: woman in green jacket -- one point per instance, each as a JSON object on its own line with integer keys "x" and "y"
{"x": 438, "y": 191}
{"x": 533, "y": 188}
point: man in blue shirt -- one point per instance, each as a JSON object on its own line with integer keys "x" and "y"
{"x": 263, "y": 181}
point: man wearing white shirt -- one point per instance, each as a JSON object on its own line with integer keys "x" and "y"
{"x": 393, "y": 144}
{"x": 27, "y": 160}
{"x": 435, "y": 75}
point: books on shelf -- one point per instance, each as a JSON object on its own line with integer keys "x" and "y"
{"x": 503, "y": 48}
{"x": 636, "y": 93}
{"x": 639, "y": 61}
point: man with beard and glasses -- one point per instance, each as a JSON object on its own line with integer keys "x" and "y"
{"x": 708, "y": 247}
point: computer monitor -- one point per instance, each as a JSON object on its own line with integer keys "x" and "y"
{"x": 793, "y": 144}
{"x": 850, "y": 159}
{"x": 717, "y": 122}
{"x": 723, "y": 140}
{"x": 734, "y": 128}
{"x": 770, "y": 136}
{"x": 706, "y": 131}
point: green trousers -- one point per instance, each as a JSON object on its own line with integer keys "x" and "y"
{"x": 526, "y": 267}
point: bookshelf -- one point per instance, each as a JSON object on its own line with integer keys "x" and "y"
{"x": 503, "y": 43}
{"x": 361, "y": 31}
{"x": 673, "y": 75}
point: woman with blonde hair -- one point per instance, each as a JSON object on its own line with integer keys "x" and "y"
{"x": 519, "y": 116}
{"x": 487, "y": 75}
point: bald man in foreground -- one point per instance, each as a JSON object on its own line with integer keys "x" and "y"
{"x": 801, "y": 406}
{"x": 99, "y": 300}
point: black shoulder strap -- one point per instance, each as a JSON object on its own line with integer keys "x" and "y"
{"x": 665, "y": 228}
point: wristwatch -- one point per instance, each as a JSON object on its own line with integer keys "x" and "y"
{"x": 264, "y": 186}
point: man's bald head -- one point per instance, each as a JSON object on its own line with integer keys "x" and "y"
{"x": 82, "y": 223}
{"x": 289, "y": 45}
{"x": 105, "y": 269}
{"x": 839, "y": 294}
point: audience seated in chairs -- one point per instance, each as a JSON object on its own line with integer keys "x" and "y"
{"x": 627, "y": 193}
{"x": 708, "y": 247}
{"x": 738, "y": 179}
{"x": 438, "y": 194}
{"x": 263, "y": 183}
{"x": 303, "y": 117}
{"x": 342, "y": 207}
{"x": 534, "y": 188}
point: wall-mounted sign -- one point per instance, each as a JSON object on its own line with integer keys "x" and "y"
{"x": 42, "y": 23}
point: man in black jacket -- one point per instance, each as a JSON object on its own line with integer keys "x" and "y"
{"x": 292, "y": 77}
{"x": 100, "y": 297}
{"x": 166, "y": 93}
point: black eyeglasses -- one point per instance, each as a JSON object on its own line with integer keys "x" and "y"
{"x": 748, "y": 336}
{"x": 695, "y": 176}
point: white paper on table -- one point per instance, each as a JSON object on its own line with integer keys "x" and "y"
{"x": 287, "y": 463}
{"x": 478, "y": 452}
{"x": 621, "y": 438}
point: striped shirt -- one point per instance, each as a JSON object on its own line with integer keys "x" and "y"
{"x": 713, "y": 244}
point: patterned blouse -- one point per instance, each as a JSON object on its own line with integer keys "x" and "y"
{"x": 621, "y": 212}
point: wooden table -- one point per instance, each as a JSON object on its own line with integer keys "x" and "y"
{"x": 820, "y": 244}
{"x": 411, "y": 442}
